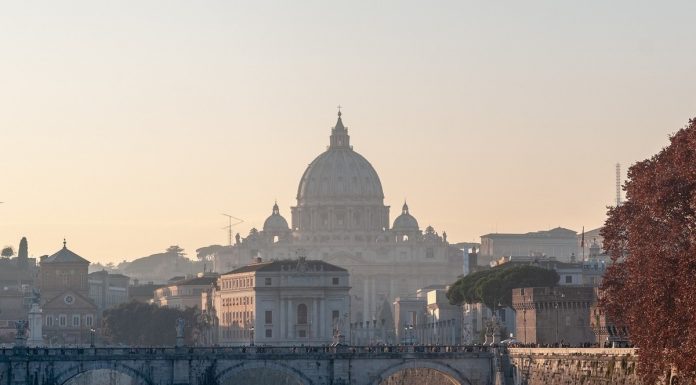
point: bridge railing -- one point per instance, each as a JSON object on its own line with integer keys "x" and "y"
{"x": 221, "y": 350}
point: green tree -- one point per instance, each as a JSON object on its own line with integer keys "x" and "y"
{"x": 650, "y": 287}
{"x": 176, "y": 251}
{"x": 137, "y": 323}
{"x": 493, "y": 287}
{"x": 23, "y": 252}
{"x": 7, "y": 252}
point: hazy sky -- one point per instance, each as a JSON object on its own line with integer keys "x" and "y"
{"x": 128, "y": 126}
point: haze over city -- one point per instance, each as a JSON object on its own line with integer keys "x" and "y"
{"x": 131, "y": 126}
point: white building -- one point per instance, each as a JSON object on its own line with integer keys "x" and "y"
{"x": 284, "y": 302}
{"x": 559, "y": 242}
{"x": 340, "y": 217}
{"x": 184, "y": 293}
{"x": 108, "y": 289}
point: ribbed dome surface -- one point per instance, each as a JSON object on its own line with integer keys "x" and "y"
{"x": 340, "y": 174}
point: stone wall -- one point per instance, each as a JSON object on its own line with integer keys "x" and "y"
{"x": 573, "y": 366}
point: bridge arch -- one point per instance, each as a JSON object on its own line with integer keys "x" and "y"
{"x": 234, "y": 370}
{"x": 85, "y": 366}
{"x": 448, "y": 371}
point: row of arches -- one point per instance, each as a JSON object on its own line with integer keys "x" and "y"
{"x": 258, "y": 373}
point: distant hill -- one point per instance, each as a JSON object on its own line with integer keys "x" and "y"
{"x": 161, "y": 267}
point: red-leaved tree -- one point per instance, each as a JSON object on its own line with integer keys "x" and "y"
{"x": 651, "y": 287}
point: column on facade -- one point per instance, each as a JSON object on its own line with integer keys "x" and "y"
{"x": 322, "y": 317}
{"x": 366, "y": 298}
{"x": 282, "y": 317}
{"x": 314, "y": 329}
{"x": 372, "y": 294}
{"x": 291, "y": 333}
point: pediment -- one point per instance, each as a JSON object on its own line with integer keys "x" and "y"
{"x": 69, "y": 299}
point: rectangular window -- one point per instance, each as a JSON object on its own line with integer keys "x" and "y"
{"x": 49, "y": 320}
{"x": 76, "y": 320}
{"x": 268, "y": 281}
{"x": 302, "y": 333}
{"x": 88, "y": 320}
{"x": 269, "y": 317}
{"x": 63, "y": 320}
{"x": 334, "y": 316}
{"x": 334, "y": 280}
{"x": 569, "y": 279}
{"x": 269, "y": 333}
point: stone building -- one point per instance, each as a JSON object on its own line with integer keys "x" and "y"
{"x": 559, "y": 242}
{"x": 554, "y": 315}
{"x": 69, "y": 313}
{"x": 184, "y": 292}
{"x": 282, "y": 302}
{"x": 340, "y": 217}
{"x": 608, "y": 332}
{"x": 108, "y": 289}
{"x": 428, "y": 318}
{"x": 18, "y": 277}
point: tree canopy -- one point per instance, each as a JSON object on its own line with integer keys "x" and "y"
{"x": 652, "y": 240}
{"x": 140, "y": 324}
{"x": 493, "y": 287}
{"x": 7, "y": 252}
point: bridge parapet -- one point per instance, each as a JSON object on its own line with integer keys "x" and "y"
{"x": 357, "y": 365}
{"x": 589, "y": 366}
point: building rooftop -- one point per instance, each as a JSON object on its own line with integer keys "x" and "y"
{"x": 291, "y": 265}
{"x": 197, "y": 281}
{"x": 64, "y": 255}
{"x": 558, "y": 232}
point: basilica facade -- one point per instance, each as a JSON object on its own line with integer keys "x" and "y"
{"x": 341, "y": 218}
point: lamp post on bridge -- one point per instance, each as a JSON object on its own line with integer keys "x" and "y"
{"x": 91, "y": 337}
{"x": 556, "y": 306}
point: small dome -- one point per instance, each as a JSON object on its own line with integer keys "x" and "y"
{"x": 276, "y": 222}
{"x": 405, "y": 221}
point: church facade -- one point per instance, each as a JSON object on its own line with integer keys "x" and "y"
{"x": 341, "y": 218}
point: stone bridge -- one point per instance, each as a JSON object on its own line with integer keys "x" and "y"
{"x": 221, "y": 365}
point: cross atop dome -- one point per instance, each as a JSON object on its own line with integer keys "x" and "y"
{"x": 339, "y": 133}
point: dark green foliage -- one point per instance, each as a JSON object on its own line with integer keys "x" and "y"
{"x": 493, "y": 287}
{"x": 205, "y": 253}
{"x": 140, "y": 324}
{"x": 7, "y": 252}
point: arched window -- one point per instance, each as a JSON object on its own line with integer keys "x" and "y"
{"x": 302, "y": 314}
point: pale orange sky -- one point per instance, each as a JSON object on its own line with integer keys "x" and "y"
{"x": 130, "y": 126}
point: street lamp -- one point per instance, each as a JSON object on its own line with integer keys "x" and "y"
{"x": 91, "y": 337}
{"x": 251, "y": 334}
{"x": 556, "y": 307}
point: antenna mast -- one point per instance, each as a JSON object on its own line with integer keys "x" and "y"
{"x": 230, "y": 225}
{"x": 618, "y": 184}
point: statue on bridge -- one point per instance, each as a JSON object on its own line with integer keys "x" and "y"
{"x": 180, "y": 323}
{"x": 21, "y": 330}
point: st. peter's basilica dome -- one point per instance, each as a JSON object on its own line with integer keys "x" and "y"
{"x": 340, "y": 175}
